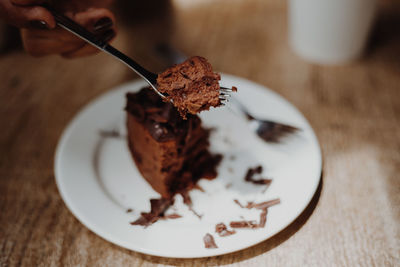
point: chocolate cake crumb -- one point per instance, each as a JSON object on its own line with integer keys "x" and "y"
{"x": 249, "y": 177}
{"x": 158, "y": 208}
{"x": 209, "y": 241}
{"x": 244, "y": 224}
{"x": 223, "y": 231}
{"x": 129, "y": 210}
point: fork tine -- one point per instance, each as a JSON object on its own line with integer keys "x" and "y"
{"x": 223, "y": 100}
{"x": 224, "y": 89}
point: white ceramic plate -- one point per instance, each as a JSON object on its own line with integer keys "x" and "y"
{"x": 98, "y": 180}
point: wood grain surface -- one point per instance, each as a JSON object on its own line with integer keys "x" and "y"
{"x": 353, "y": 219}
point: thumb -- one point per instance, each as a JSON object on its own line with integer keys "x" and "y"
{"x": 37, "y": 13}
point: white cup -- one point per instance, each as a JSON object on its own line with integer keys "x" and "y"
{"x": 330, "y": 31}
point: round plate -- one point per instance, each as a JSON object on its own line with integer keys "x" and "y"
{"x": 99, "y": 182}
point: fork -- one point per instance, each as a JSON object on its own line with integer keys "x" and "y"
{"x": 150, "y": 77}
{"x": 267, "y": 130}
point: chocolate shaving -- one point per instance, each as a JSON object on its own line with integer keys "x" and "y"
{"x": 158, "y": 208}
{"x": 244, "y": 224}
{"x": 263, "y": 218}
{"x": 186, "y": 198}
{"x": 263, "y": 205}
{"x": 209, "y": 241}
{"x": 222, "y": 230}
{"x": 253, "y": 171}
{"x": 198, "y": 187}
{"x": 172, "y": 216}
{"x": 237, "y": 202}
{"x": 188, "y": 201}
{"x": 263, "y": 215}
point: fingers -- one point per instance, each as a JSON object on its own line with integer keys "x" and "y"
{"x": 37, "y": 13}
{"x": 42, "y": 42}
{"x": 96, "y": 19}
{"x": 22, "y": 16}
{"x": 39, "y": 42}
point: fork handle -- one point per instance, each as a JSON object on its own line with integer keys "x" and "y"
{"x": 76, "y": 29}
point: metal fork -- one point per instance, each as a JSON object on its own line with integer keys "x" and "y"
{"x": 150, "y": 77}
{"x": 267, "y": 130}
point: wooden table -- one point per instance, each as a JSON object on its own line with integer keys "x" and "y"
{"x": 355, "y": 110}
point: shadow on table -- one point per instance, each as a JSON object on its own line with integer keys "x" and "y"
{"x": 250, "y": 252}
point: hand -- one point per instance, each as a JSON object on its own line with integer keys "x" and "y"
{"x": 41, "y": 42}
{"x": 24, "y": 13}
{"x": 41, "y": 36}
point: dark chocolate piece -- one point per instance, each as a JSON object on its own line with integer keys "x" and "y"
{"x": 158, "y": 208}
{"x": 263, "y": 215}
{"x": 250, "y": 176}
{"x": 244, "y": 224}
{"x": 209, "y": 241}
{"x": 222, "y": 230}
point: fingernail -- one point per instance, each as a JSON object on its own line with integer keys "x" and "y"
{"x": 108, "y": 35}
{"x": 103, "y": 23}
{"x": 38, "y": 24}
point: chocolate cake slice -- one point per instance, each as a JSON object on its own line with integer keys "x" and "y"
{"x": 192, "y": 85}
{"x": 170, "y": 152}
